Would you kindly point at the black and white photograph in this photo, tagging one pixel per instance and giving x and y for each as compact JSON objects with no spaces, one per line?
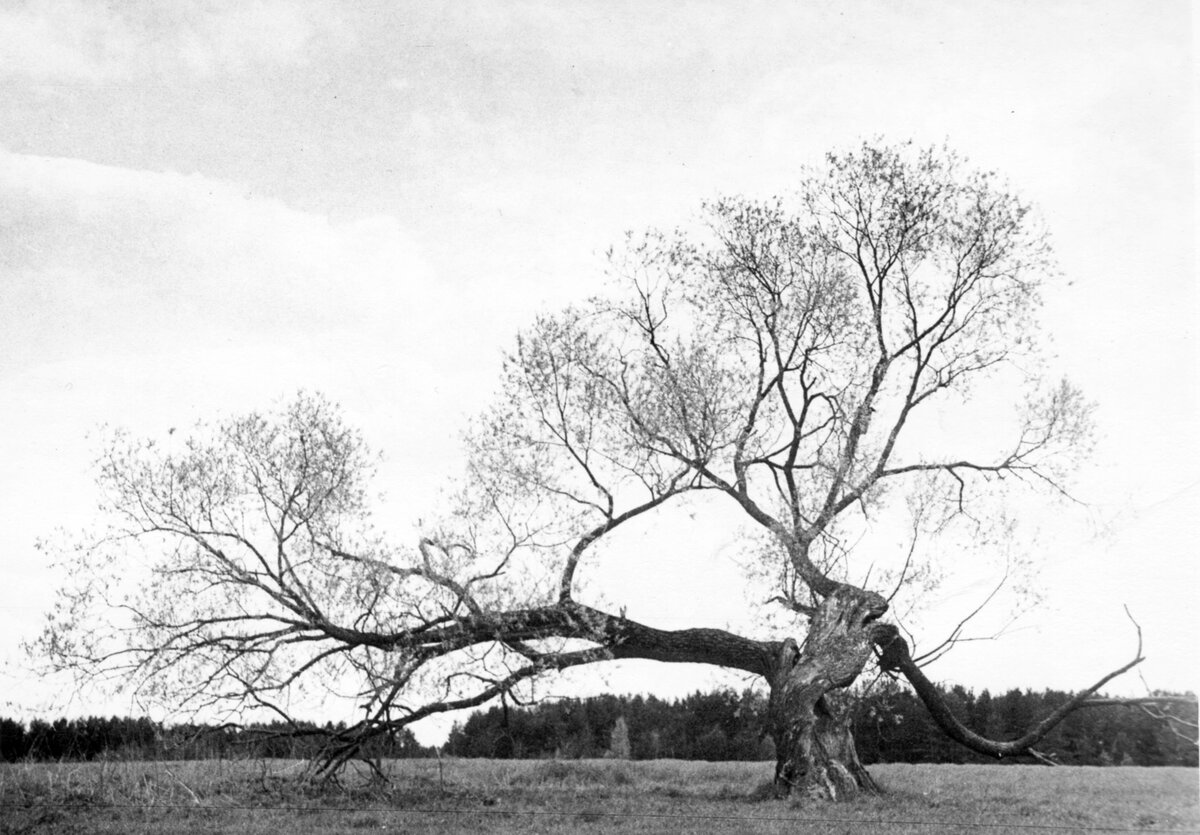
{"x":599,"y":416}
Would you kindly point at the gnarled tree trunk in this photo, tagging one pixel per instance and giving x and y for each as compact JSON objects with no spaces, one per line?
{"x":814,"y":743}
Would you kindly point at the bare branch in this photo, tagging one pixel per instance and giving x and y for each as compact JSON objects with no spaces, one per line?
{"x":894,"y":656}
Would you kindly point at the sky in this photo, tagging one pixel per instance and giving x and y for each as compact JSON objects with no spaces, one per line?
{"x":205,"y":207}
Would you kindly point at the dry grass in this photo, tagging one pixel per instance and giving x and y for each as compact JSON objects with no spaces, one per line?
{"x":588,"y":796}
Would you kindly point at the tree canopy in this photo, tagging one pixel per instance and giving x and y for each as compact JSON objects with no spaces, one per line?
{"x":778,"y":356}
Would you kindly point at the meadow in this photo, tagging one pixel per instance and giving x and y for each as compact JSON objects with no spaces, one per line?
{"x":509,"y":796}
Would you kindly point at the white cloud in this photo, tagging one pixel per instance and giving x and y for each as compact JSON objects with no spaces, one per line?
{"x":139,"y":297}
{"x":106,"y":259}
{"x":80,"y":41}
{"x":135,"y":296}
{"x":152,"y":300}
{"x":65,"y":41}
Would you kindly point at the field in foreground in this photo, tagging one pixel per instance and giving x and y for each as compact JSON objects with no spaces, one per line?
{"x":588,"y":796}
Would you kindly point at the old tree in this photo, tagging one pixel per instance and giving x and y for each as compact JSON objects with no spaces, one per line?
{"x":777,"y":359}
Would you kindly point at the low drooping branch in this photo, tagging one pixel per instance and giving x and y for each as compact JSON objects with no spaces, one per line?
{"x":894,"y":656}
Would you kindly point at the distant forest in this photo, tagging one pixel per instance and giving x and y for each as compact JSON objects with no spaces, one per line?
{"x":97,"y":737}
{"x":890,"y":724}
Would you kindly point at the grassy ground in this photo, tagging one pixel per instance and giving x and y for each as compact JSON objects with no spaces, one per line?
{"x":583,"y":796}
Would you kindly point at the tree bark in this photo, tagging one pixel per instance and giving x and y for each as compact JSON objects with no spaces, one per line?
{"x":816,"y":755}
{"x":814,"y":743}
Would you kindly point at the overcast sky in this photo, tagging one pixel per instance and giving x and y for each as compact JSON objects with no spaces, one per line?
{"x":206,"y":206}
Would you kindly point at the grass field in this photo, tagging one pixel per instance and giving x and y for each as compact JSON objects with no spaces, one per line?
{"x":583,"y":796}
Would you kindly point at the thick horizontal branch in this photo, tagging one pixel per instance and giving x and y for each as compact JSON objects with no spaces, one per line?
{"x":619,"y":637}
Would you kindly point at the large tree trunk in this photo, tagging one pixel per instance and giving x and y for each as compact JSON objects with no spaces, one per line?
{"x":816,"y":755}
{"x":813,"y":740}
{"x":814,"y":743}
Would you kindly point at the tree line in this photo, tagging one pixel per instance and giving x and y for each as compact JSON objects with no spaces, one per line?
{"x":126,"y":738}
{"x":890,"y":725}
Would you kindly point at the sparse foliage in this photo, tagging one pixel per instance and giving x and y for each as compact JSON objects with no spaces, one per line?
{"x":781,"y":357}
